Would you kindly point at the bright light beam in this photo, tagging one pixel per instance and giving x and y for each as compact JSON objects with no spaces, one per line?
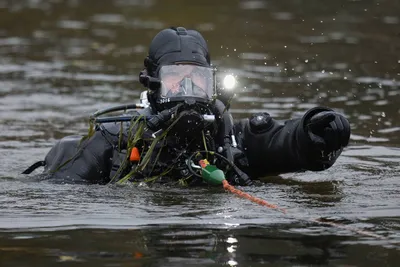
{"x":229,"y":82}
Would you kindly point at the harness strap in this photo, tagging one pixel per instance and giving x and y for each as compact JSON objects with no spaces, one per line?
{"x":34,"y":167}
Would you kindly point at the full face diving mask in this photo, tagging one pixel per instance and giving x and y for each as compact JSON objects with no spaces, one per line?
{"x":192,"y":88}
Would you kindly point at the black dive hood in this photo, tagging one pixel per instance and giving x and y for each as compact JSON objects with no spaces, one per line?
{"x":170,"y":47}
{"x":176,"y":46}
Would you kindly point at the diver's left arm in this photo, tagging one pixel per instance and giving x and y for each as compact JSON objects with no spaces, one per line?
{"x":313,"y":142}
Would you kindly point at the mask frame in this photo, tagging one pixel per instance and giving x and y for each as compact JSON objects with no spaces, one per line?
{"x":176,"y":78}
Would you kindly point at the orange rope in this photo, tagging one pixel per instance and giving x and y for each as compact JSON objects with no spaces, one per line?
{"x":262,"y":202}
{"x":257,"y":200}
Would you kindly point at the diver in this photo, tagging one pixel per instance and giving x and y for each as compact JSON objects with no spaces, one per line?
{"x":184,"y":117}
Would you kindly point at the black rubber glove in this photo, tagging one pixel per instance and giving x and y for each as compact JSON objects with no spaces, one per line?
{"x":328,"y":130}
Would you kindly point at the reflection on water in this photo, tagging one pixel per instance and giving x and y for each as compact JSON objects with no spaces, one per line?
{"x":190,"y":246}
{"x":61,"y":60}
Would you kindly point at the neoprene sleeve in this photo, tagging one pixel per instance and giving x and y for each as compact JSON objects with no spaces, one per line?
{"x":279,"y":148}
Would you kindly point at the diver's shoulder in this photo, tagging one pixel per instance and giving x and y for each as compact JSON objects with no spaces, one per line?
{"x":70,"y":139}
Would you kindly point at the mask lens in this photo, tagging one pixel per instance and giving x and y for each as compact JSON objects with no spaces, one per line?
{"x":187,"y":80}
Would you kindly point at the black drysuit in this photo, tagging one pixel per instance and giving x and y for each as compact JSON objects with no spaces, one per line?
{"x":268,"y":147}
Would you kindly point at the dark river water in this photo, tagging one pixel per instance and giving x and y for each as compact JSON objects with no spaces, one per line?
{"x":61,"y":60}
